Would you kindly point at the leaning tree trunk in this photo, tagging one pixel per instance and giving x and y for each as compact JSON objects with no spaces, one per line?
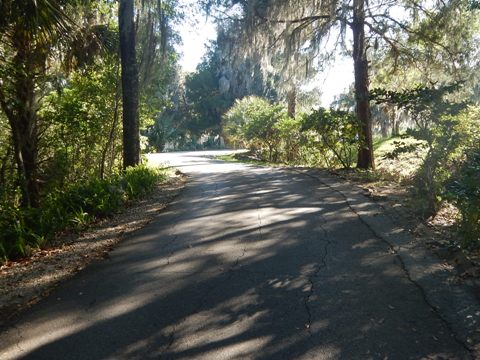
{"x":131,"y":134}
{"x":365,"y":152}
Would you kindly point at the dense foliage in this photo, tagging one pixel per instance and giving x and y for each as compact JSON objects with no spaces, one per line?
{"x":71,"y":207}
{"x":464,"y":190}
{"x":193,"y":119}
{"x":324,"y":137}
{"x":338,"y":132}
{"x":61,"y":143}
{"x":448,"y":131}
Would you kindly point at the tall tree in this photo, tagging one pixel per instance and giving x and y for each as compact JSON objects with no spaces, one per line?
{"x":294,"y":29}
{"x":360,"y":61}
{"x":28,"y":31}
{"x":131,"y":132}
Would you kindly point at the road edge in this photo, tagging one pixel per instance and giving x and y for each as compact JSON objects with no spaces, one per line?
{"x":452,"y":301}
{"x":90,"y":245}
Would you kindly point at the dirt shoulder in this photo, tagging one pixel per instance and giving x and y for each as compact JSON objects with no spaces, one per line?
{"x":25,"y":282}
{"x":438,"y":234}
{"x":454,"y":291}
{"x":451,"y":292}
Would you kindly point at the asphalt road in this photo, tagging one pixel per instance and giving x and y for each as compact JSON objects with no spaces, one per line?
{"x":248,"y":263}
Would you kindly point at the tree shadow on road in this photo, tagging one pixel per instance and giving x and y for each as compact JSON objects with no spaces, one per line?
{"x":247,"y":265}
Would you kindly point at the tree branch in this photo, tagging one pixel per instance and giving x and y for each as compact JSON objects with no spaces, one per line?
{"x":411,"y":31}
{"x":312,"y":18}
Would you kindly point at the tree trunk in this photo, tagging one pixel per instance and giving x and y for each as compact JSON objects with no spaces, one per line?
{"x":396,"y":122}
{"x":111,"y":135}
{"x":21,"y":111}
{"x":292,"y":102}
{"x":131,"y":133}
{"x":365,"y":152}
{"x":384,"y":127}
{"x":24,"y":131}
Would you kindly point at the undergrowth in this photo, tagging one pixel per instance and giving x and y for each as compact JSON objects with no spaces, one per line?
{"x":71,"y":208}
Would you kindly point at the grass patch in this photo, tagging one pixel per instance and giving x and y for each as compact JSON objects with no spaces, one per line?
{"x":228,"y":157}
{"x":399,"y":167}
{"x":380,"y":141}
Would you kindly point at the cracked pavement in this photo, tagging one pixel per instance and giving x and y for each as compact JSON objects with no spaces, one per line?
{"x":247,"y":263}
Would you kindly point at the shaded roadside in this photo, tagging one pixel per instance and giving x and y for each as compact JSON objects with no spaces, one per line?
{"x":249,"y":263}
{"x":453,"y":297}
{"x":26,"y":281}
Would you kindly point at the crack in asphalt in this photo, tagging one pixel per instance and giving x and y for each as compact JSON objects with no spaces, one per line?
{"x":201,"y":304}
{"x":237,"y":260}
{"x":435,"y":309}
{"x":244,"y":249}
{"x":259,"y":221}
{"x":395,"y":252}
{"x":173,"y":227}
{"x":230,"y":273}
{"x":322,"y":264}
{"x":19,"y":339}
{"x":170,"y":254}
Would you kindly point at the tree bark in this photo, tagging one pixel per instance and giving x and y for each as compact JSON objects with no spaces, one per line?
{"x":292,"y":102}
{"x":365,"y":152}
{"x":111,"y":134}
{"x":131,"y":133}
{"x":396,"y":122}
{"x":21,"y":112}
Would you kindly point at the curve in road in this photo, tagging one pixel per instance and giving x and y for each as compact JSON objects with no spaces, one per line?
{"x":248,"y":263}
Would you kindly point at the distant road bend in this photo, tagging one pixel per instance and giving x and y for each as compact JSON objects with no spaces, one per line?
{"x":247,"y":263}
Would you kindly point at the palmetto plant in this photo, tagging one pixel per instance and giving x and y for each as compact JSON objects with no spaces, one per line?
{"x":36,"y":36}
{"x":29,"y":29}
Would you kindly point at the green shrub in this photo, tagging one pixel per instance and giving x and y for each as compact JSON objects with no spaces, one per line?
{"x":252,"y":120}
{"x":289,"y":132}
{"x":83,"y":136}
{"x":141,"y":180}
{"x":464,"y":191}
{"x":337,"y":135}
{"x":327,"y":138}
{"x":435,"y":170}
{"x":72,"y":207}
{"x":12,"y":226}
{"x":441,"y":126}
{"x":234,"y":120}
